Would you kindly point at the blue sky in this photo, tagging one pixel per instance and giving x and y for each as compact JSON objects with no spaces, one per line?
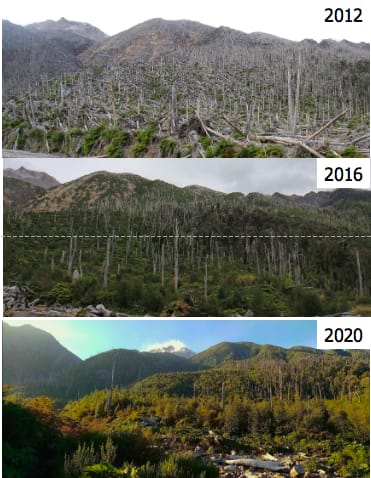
{"x":89,"y":337}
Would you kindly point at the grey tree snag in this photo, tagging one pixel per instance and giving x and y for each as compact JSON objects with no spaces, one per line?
{"x":176,"y":257}
{"x":293,"y":107}
{"x":106,"y":264}
{"x":71,"y":253}
{"x":205,"y":279}
{"x":173,"y":111}
{"x":80,"y":263}
{"x":163,"y":264}
{"x":223,"y":395}
{"x":297,"y":96}
{"x":360,"y":280}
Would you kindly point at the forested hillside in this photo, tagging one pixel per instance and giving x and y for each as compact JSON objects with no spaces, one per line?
{"x":183,"y":89}
{"x":148,"y":247}
{"x":306,"y":409}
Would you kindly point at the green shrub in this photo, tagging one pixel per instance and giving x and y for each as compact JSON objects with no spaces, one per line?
{"x":351,"y":152}
{"x":268,"y":151}
{"x":167,"y":147}
{"x":222,"y":149}
{"x":118,"y":140}
{"x":91,"y":138}
{"x":143,"y":139}
{"x":55,"y":139}
{"x":61,"y":292}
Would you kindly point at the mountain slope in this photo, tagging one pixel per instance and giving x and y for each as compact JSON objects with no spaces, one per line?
{"x":114,"y":190}
{"x":130,"y":366}
{"x":37,"y":178}
{"x":225,"y":351}
{"x":84,"y":30}
{"x":34,"y":359}
{"x":29,"y":55}
{"x":147,"y":41}
{"x":18,"y":192}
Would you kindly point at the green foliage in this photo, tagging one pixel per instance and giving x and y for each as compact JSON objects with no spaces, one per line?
{"x":38,"y":135}
{"x":85,"y":455}
{"x":354,"y":460}
{"x":185,"y":466}
{"x":91,"y":138}
{"x":108,"y":471}
{"x":267,"y":151}
{"x":55,"y":139}
{"x":222,"y":149}
{"x":118,"y":139}
{"x":86,"y":290}
{"x":143,"y":139}
{"x":167,"y":147}
{"x":31,"y":447}
{"x":351,"y":152}
{"x":62,"y":292}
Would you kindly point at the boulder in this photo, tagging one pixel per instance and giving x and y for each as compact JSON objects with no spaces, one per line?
{"x":297,"y":471}
{"x":102,"y":311}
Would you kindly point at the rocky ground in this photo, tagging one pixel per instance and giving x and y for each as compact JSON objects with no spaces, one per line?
{"x":17,"y":304}
{"x":266,"y":466}
{"x":16,"y":153}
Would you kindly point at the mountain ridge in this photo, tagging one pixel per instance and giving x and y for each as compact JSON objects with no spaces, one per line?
{"x":126,"y":185}
{"x":37,"y":178}
{"x":22,"y":365}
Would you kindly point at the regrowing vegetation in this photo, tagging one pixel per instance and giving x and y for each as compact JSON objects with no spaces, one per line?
{"x":148,"y":247}
{"x":182,"y":89}
{"x":300,"y":405}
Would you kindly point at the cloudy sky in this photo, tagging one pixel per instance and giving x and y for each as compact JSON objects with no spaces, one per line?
{"x":89,"y":337}
{"x":285,"y":18}
{"x":287,"y":176}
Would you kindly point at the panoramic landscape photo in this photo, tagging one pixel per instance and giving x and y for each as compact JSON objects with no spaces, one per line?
{"x":188,"y":81}
{"x":182,"y":237}
{"x":192,"y":399}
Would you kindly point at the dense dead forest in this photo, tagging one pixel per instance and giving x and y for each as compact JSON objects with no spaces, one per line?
{"x":228,"y":94}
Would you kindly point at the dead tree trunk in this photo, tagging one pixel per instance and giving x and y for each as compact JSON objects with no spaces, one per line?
{"x":176,"y":257}
{"x":205,"y":279}
{"x":71,"y":254}
{"x":106,"y":264}
{"x":360,"y":280}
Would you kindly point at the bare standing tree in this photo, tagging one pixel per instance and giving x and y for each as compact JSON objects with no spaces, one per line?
{"x":176,"y":257}
{"x":106,"y":264}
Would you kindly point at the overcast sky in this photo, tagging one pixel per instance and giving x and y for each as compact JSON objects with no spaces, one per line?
{"x":287,"y":176}
{"x":285,"y":18}
{"x":89,"y":337}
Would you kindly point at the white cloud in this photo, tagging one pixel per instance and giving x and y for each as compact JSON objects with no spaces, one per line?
{"x":175,"y":343}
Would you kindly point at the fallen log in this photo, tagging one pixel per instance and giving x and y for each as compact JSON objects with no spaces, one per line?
{"x":250,"y":462}
{"x":273,"y":139}
{"x":329,"y":123}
